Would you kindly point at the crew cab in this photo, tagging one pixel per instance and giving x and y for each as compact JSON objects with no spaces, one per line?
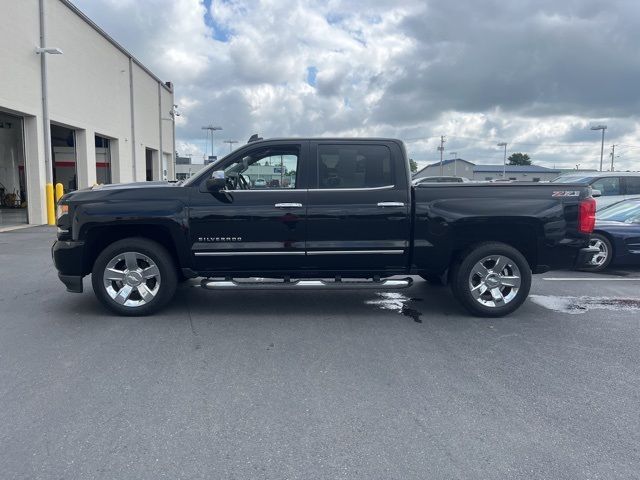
{"x":334,"y":209}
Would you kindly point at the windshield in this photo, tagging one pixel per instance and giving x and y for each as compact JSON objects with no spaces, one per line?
{"x":627,"y":212}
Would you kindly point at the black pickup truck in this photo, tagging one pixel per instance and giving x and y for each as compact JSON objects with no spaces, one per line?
{"x":341,"y":211}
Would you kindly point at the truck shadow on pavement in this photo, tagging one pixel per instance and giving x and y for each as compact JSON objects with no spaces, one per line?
{"x":419,"y":303}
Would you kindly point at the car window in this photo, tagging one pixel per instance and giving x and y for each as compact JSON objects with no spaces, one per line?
{"x":628,"y":211}
{"x":267,"y":168}
{"x":633,"y":185}
{"x":608,"y":186}
{"x":354,"y":166}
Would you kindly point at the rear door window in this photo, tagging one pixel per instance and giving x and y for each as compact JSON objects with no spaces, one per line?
{"x":354,"y":166}
{"x":608,"y":186}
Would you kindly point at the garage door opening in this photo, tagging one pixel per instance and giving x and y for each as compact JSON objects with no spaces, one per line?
{"x":13,"y":188}
{"x":63,"y":146}
{"x":103,"y":160}
{"x":151,"y":164}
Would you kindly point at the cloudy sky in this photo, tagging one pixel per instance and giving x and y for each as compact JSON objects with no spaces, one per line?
{"x":534,"y":73}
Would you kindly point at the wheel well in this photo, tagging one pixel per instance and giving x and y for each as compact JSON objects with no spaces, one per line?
{"x":521,"y":237}
{"x":98,"y":238}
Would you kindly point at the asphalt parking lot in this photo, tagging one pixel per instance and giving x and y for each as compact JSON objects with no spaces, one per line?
{"x":316,"y":384}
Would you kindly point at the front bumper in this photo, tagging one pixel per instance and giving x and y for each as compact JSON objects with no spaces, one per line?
{"x":68,"y":260}
{"x":72,"y":282}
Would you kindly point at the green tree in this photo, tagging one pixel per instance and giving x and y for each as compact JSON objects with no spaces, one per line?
{"x":519,"y":159}
{"x":413,"y":165}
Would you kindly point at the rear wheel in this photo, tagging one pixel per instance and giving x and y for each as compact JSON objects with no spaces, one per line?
{"x":491,"y":280}
{"x":602,"y":259}
{"x":134,"y":276}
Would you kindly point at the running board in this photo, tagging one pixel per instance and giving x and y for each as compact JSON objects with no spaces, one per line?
{"x":266,"y":284}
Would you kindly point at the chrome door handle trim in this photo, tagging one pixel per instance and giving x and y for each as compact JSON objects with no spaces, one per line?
{"x":390,"y":204}
{"x":288,"y":205}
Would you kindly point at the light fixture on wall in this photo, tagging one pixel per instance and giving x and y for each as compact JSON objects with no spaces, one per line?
{"x":52,"y":51}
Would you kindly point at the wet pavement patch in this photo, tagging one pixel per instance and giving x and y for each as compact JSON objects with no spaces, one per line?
{"x":397,"y":302}
{"x":577,"y":305}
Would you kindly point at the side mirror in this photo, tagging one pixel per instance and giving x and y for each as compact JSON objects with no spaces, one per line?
{"x":217,"y":182}
{"x":596,"y":193}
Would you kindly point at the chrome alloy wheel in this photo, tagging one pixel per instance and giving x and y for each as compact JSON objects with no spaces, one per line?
{"x":131,"y":279}
{"x":603,"y":252}
{"x":494,"y":281}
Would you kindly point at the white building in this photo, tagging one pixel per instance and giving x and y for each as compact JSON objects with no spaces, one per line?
{"x":109,"y":118}
{"x":185,"y":168}
{"x":463,"y":168}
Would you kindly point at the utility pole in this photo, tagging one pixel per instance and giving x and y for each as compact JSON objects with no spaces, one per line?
{"x":441,"y":149}
{"x":210,"y":129}
{"x":281,"y":171}
{"x":230,"y":142}
{"x":454,"y":155}
{"x":603,"y":128}
{"x":613,"y":152}
{"x":504,"y":161}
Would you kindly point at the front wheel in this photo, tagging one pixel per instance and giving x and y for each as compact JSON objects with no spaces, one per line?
{"x":492,"y":280}
{"x":134,"y":276}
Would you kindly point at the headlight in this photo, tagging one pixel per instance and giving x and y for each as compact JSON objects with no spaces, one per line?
{"x":62,"y":209}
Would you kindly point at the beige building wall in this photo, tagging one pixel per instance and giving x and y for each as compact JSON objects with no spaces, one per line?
{"x":90,"y":89}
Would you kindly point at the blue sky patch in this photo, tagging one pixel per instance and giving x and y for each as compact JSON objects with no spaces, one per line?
{"x":218,"y":31}
{"x":312,"y":73}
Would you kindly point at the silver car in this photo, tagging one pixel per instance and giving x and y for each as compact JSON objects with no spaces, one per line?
{"x":608,"y":187}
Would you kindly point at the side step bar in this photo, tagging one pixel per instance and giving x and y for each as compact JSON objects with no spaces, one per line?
{"x":266,"y":284}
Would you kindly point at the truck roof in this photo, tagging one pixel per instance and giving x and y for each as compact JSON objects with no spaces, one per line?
{"x":335,"y":139}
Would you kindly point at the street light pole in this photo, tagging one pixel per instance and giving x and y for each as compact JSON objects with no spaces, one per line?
{"x":504,"y":161}
{"x":211,"y":129}
{"x":603,"y":128}
{"x":230,"y":142}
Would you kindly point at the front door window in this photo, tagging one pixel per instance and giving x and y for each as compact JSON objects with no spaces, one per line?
{"x":269,"y":168}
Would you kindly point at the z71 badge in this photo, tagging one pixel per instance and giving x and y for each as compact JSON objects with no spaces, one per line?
{"x":566,"y":193}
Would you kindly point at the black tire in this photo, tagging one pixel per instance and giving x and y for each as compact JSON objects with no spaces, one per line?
{"x":602,"y":260}
{"x":433,"y":279}
{"x":165,"y":280}
{"x":461,"y":280}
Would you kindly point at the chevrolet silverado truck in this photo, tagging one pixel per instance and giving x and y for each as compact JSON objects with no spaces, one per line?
{"x":319,"y":212}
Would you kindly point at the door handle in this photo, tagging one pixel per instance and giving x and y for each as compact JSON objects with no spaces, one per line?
{"x":390,"y":204}
{"x":288,"y":205}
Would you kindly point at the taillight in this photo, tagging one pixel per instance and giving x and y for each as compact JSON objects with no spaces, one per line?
{"x":587,"y":215}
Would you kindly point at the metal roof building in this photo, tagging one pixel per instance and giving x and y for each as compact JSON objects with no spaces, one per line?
{"x":464,"y":168}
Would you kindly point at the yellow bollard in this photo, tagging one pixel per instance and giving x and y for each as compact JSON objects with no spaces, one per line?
{"x":51,"y":204}
{"x":59,"y":191}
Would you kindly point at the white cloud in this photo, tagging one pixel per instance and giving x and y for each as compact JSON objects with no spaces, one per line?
{"x":532,"y":73}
